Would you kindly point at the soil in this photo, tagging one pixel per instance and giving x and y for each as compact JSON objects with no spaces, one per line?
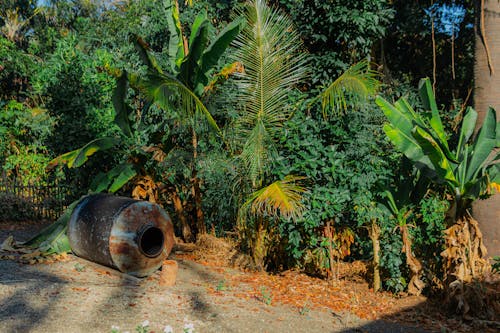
{"x":75,"y":295}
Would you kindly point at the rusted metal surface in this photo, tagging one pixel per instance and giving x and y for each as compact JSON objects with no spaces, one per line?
{"x":132,"y":236}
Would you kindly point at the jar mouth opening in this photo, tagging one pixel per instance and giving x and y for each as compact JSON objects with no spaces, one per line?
{"x":151,"y":241}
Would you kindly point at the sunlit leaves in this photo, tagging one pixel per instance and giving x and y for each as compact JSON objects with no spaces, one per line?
{"x":268,"y":47}
{"x":355,"y":85}
{"x":78,"y":157}
{"x":283,"y":198}
{"x":468,"y":171}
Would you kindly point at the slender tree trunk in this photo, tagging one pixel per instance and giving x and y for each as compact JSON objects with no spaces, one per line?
{"x":187,"y":235}
{"x":374,"y":233}
{"x":486,"y":94}
{"x":260,"y":246}
{"x":434,"y":65}
{"x":329,"y":234}
{"x":196,"y":191}
{"x":416,"y":285}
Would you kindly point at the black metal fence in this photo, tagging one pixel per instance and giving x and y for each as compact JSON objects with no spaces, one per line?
{"x":20,"y":201}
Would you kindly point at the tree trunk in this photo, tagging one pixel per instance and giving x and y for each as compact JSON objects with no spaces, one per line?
{"x":332,"y":274}
{"x":374,"y":233}
{"x":416,"y":285}
{"x":487,"y":93}
{"x":187,"y":235}
{"x":196,"y":191}
{"x":260,"y":246}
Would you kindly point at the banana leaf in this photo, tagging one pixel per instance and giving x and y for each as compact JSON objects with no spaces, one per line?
{"x":113,"y":180}
{"x":53,"y":238}
{"x":190,"y":64}
{"x":407,"y":144}
{"x":467,"y":129}
{"x":399,"y":117}
{"x":427,"y":97}
{"x":405,"y":107}
{"x":433,"y":151}
{"x":122,"y":109}
{"x":200,"y":20}
{"x":483,"y":146}
{"x":125,"y":172}
{"x":78,"y":157}
{"x":175,"y":43}
{"x":147,"y":59}
{"x":399,"y":131}
{"x":498,"y":135}
{"x":494,"y":173}
{"x":213,"y":53}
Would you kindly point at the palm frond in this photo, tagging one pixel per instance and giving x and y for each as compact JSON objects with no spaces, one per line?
{"x":267,"y":48}
{"x":256,"y":152}
{"x":356,"y":84}
{"x":160,"y":87}
{"x":281,"y":198}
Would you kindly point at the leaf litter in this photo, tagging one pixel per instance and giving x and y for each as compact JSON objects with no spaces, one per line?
{"x":349,"y":294}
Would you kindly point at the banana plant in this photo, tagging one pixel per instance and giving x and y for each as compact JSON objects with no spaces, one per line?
{"x":468,"y":170}
{"x":182,"y":87}
{"x":53,"y":239}
{"x":191,"y":71}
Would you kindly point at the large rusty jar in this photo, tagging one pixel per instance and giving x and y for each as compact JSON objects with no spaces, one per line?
{"x":132,"y":236}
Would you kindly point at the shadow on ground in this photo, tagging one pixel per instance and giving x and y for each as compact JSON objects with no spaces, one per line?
{"x":19,"y":285}
{"x":436,"y":315}
{"x":80,"y":296}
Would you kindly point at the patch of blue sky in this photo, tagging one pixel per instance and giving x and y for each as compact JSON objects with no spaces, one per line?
{"x":447,"y":17}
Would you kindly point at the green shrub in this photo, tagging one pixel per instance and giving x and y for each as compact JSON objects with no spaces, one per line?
{"x":345,"y":161}
{"x":428,"y":236}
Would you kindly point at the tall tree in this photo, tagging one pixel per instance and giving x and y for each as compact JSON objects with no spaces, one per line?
{"x":486,"y":94}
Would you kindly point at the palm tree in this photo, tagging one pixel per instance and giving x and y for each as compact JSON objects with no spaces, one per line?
{"x":280,"y":199}
{"x":272,"y":55}
{"x":268,"y":49}
{"x":354,"y":86}
{"x":486,"y":94}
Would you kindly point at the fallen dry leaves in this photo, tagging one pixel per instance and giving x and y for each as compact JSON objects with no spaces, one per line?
{"x":299,"y":290}
{"x":351,"y":294}
{"x":10,"y":250}
{"x":302,"y":291}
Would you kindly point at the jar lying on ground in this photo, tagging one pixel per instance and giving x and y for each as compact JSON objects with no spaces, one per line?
{"x":132,"y":236}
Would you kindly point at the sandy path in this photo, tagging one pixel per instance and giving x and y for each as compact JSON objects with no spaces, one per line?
{"x":78,"y":296}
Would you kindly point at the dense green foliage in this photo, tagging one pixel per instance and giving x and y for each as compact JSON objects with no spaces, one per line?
{"x":181,"y":106}
{"x":338,"y":33}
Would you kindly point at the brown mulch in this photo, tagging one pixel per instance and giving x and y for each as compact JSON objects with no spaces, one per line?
{"x":350,"y":293}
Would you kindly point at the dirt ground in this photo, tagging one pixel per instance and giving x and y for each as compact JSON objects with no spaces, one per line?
{"x":75,"y":295}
